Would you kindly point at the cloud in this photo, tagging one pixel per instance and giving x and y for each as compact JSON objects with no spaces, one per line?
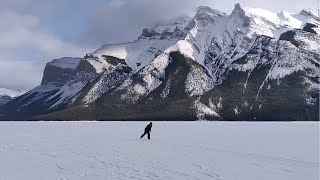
{"x":14,"y":2}
{"x":116,"y":3}
{"x":25,"y":48}
{"x":18,"y":32}
{"x":276,"y":6}
{"x":123,"y":20}
{"x":20,"y":75}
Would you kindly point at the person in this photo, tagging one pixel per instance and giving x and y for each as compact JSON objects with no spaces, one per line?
{"x":147,"y":130}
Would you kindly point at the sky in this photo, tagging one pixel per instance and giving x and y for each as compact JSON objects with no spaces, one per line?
{"x":34,"y":32}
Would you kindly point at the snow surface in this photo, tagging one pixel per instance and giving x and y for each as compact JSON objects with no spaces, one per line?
{"x":177,"y":150}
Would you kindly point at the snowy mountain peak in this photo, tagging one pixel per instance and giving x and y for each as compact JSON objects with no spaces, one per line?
{"x":205,"y":10}
{"x":237,"y":7}
{"x":258,"y":21}
{"x":238,"y":14}
{"x":311,"y":12}
{"x":166,"y":27}
{"x":66,"y":62}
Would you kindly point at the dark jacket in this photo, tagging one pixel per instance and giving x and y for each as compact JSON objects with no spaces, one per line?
{"x":148,"y":128}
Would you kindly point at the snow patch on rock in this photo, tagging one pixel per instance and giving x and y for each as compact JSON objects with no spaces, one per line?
{"x":203,"y":110}
{"x":198,"y":82}
{"x":66,"y":92}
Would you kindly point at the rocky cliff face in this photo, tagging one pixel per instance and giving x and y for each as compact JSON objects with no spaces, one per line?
{"x":250,"y":65}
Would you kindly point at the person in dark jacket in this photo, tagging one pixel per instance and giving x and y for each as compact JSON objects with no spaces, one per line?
{"x":147,"y":130}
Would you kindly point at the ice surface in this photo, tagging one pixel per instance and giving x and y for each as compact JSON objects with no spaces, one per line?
{"x":177,"y":150}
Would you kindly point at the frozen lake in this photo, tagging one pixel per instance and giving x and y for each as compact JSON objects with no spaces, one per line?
{"x":177,"y":150}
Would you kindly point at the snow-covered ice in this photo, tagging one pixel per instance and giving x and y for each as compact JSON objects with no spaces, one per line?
{"x":177,"y":150}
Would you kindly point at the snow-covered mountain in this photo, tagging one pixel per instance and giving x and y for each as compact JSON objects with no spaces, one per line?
{"x":249,"y":65}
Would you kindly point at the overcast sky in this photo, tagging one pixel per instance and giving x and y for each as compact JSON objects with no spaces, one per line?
{"x":33,"y":32}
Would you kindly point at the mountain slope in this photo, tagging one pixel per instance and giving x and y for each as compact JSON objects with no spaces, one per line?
{"x":250,"y":65}
{"x":4,"y":99}
{"x":7,"y":95}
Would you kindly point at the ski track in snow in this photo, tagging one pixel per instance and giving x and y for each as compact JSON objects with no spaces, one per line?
{"x":177,"y":150}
